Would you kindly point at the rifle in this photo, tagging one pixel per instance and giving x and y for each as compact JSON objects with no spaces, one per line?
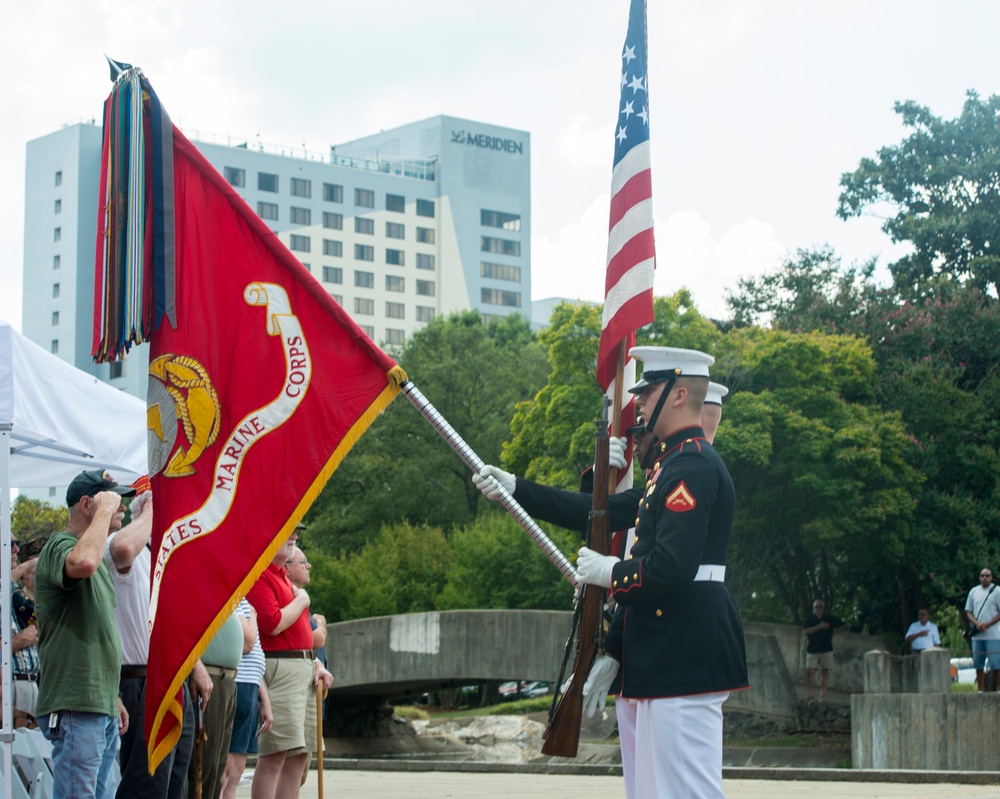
{"x":562,"y":734}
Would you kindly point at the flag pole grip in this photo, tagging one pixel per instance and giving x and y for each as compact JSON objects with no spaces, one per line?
{"x":475,"y":463}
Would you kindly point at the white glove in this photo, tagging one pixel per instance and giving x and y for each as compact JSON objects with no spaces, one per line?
{"x":594,"y":568}
{"x":616,"y":452}
{"x":595,"y":690}
{"x":489,"y":480}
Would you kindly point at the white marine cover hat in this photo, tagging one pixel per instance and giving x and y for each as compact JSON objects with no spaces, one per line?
{"x":662,"y":363}
{"x":716,"y":391}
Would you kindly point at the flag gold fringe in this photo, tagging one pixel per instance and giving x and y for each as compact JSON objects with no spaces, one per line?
{"x":395,"y":377}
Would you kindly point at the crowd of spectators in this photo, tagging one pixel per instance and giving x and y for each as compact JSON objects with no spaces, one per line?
{"x":80,"y":643}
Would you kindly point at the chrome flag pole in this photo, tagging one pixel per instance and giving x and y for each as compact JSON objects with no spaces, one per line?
{"x":474,"y":462}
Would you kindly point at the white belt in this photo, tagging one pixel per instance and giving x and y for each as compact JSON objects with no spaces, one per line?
{"x":710,"y":573}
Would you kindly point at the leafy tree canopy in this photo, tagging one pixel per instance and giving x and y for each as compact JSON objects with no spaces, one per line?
{"x":943,"y":183}
{"x":401,"y":469}
{"x":32,"y":518}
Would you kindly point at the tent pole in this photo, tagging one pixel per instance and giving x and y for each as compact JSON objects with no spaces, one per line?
{"x":7,"y":734}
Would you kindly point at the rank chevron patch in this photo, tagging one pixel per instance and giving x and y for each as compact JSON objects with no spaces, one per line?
{"x":680,"y":499}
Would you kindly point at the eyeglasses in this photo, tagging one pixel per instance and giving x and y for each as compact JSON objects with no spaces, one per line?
{"x":985,"y":574}
{"x":301,"y":562}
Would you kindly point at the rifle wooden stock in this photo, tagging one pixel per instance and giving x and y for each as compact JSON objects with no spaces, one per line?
{"x":562,"y":735}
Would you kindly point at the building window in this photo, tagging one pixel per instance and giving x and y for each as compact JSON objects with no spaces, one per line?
{"x":333,"y":221}
{"x":57,"y":234}
{"x":333,"y":274}
{"x":501,"y":246}
{"x":395,"y":337}
{"x":267,"y":182}
{"x":366,"y":226}
{"x":424,"y":314}
{"x":364,"y":252}
{"x":364,"y":280}
{"x":425,"y":235}
{"x":268,"y":211}
{"x":333,"y":248}
{"x":56,"y":261}
{"x":236,"y":177}
{"x":338,"y":298}
{"x":368,"y":330}
{"x":395,"y":283}
{"x":364,"y":306}
{"x":425,"y":288}
{"x":307,"y":266}
{"x":301,"y":216}
{"x":59,"y":178}
{"x":395,"y":310}
{"x":57,"y":209}
{"x":299,"y":243}
{"x":511,"y":299}
{"x":425,"y":208}
{"x":425,"y":261}
{"x":500,"y":219}
{"x":500,"y":271}
{"x":55,"y":318}
{"x":395,"y":257}
{"x":55,"y":290}
{"x":395,"y":202}
{"x":115,"y":369}
{"x":54,"y":346}
{"x":364,"y":198}
{"x":332,"y":193}
{"x":302,"y":188}
{"x":394,"y":230}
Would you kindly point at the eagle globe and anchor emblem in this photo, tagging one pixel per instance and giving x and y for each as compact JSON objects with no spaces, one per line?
{"x":180,"y":390}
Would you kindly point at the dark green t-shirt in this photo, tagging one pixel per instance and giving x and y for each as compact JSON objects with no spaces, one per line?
{"x":78,"y":646}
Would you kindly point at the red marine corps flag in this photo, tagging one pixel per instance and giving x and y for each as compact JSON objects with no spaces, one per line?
{"x":259,"y":383}
{"x":628,"y":285}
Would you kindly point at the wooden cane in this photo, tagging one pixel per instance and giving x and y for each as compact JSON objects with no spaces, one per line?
{"x":320,"y":693}
{"x":198,"y":733}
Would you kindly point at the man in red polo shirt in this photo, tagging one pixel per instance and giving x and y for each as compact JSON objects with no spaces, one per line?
{"x":290,"y":673}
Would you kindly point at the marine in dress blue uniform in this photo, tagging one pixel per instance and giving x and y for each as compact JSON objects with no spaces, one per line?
{"x":676,"y":641}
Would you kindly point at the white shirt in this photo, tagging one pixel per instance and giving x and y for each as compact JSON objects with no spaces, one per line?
{"x":132,"y":605}
{"x":991,"y":608}
{"x":924,"y":641}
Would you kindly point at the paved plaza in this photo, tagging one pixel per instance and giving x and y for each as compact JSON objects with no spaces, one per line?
{"x":459,"y":785}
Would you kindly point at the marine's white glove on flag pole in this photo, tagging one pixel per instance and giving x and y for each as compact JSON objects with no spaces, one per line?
{"x":489,"y":480}
{"x":616,"y":452}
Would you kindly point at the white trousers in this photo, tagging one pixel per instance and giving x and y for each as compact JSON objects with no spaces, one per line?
{"x":672,"y":748}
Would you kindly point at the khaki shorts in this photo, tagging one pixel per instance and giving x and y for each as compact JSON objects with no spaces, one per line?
{"x":823,"y":660}
{"x":288,"y":682}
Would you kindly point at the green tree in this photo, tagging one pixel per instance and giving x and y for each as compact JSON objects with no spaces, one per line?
{"x":552,"y":436}
{"x":943,"y":183}
{"x":824,"y":487}
{"x":402,"y":570}
{"x":32,"y":518}
{"x":494,"y":563}
{"x":401,"y":469}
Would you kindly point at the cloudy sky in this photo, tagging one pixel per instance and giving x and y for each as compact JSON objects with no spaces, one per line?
{"x":757,"y":106}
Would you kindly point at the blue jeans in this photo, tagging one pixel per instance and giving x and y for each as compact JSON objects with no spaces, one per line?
{"x":84,"y":746}
{"x":983,"y":649}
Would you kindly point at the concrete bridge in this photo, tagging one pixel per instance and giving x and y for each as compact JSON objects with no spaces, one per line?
{"x":393,"y":656}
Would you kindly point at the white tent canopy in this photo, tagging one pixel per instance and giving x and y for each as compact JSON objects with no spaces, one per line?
{"x":55,"y":422}
{"x":63,"y":420}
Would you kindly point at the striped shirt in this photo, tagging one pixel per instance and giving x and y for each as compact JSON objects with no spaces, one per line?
{"x":251,"y":668}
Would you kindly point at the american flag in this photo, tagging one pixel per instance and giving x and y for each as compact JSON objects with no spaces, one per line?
{"x":628,"y":287}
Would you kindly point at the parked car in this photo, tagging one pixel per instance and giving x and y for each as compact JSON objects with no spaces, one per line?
{"x":533,"y":689}
{"x":962,"y":670}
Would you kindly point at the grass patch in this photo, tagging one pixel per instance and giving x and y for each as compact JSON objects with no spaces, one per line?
{"x":964,"y":688}
{"x":817,"y":741}
{"x":411,"y":713}
{"x":519,"y":707}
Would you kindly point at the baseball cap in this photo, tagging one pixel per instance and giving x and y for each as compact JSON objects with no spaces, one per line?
{"x":87,"y":484}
